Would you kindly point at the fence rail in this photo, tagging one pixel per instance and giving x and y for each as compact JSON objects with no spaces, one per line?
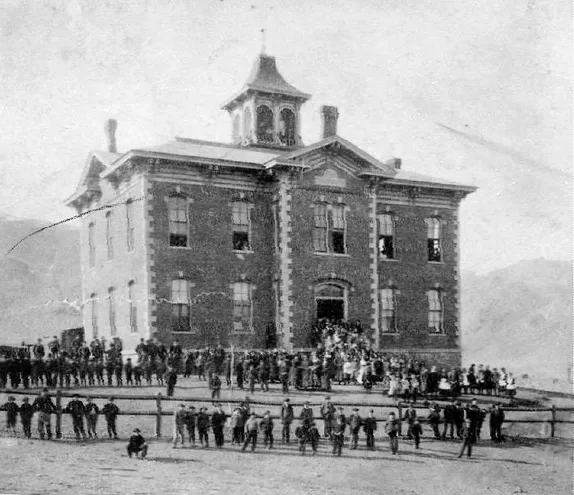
{"x":159,"y":412}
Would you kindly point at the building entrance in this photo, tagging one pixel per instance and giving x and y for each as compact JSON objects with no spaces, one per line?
{"x":331,"y":309}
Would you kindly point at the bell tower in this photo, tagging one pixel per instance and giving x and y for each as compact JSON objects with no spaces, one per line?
{"x":266,"y":112}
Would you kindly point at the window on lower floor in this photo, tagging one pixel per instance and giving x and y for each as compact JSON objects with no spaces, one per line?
{"x":436,"y":311}
{"x":180,"y":306}
{"x":112,"y":311}
{"x":242,"y":307}
{"x":94,"y":314}
{"x":133,"y":310}
{"x":388,"y":314}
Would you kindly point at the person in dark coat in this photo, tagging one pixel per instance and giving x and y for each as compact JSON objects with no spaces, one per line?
{"x":338,"y":436}
{"x":306,"y":415}
{"x":92,"y":411}
{"x":26,"y":413}
{"x":266,"y":426}
{"x":468,"y":438}
{"x":11,"y":409}
{"x":417,"y":431}
{"x":369,"y":427}
{"x":203,"y":427}
{"x":137,"y":444}
{"x":218,"y":419}
{"x":392,"y":428}
{"x":449,"y":419}
{"x":251,"y":428}
{"x":410,"y":416}
{"x":355,"y":423}
{"x":496,"y":420}
{"x":327,"y":413}
{"x":110,"y":412}
{"x":434,"y":421}
{"x":45,"y":408}
{"x":171,"y":380}
{"x":286,"y":420}
{"x":190,"y":420}
{"x":215,"y":386}
{"x":77,"y":410}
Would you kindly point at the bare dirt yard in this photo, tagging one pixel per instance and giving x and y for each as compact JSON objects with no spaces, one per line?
{"x":523,"y":464}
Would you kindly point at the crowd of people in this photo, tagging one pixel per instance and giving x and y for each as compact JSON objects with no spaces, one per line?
{"x":244,"y":426}
{"x":343,"y":356}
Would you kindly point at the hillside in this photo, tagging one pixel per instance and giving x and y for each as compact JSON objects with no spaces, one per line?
{"x":521,"y":317}
{"x":41,"y":280}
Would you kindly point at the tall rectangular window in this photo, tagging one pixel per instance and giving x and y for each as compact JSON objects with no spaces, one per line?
{"x":241,"y":226}
{"x":387,"y":236}
{"x":181,"y":305}
{"x":109,"y":235}
{"x":94,"y":315}
{"x":92,"y":244}
{"x":338,"y":229}
{"x":321,"y":228}
{"x":435,"y":311}
{"x":434,"y":238}
{"x":112,"y":311}
{"x":130,"y":225}
{"x":133,"y":310}
{"x":388,"y":311}
{"x":242,"y":307}
{"x":178,"y":221}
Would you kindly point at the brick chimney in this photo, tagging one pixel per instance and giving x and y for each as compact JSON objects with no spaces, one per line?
{"x":330,"y":117}
{"x":110,"y":130}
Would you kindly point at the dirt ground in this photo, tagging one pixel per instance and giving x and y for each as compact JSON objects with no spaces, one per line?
{"x":520,"y":465}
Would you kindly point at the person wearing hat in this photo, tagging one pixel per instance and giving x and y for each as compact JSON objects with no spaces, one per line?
{"x":190,"y":419}
{"x":266,"y":425}
{"x":77,"y":410}
{"x":496,"y":420}
{"x":45,"y":407}
{"x":26,"y":413}
{"x":110,"y":412}
{"x":458,"y":418}
{"x":434,"y":420}
{"x":137,"y":444}
{"x":218,"y":419}
{"x":369,"y":427}
{"x":179,"y":417}
{"x":355,"y":422}
{"x":410,"y":416}
{"x":92,"y":411}
{"x":392,"y":427}
{"x":338,"y":435}
{"x":251,"y":428}
{"x":203,"y":427}
{"x":468,"y":438}
{"x":306,"y":415}
{"x":286,"y":420}
{"x":328,"y":414}
{"x":11,"y":409}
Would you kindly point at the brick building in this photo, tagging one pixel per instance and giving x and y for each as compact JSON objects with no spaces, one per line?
{"x":249,"y":243}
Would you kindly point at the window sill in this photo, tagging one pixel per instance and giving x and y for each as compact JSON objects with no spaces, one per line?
{"x":339,"y":255}
{"x":390,"y":333}
{"x":180,"y":247}
{"x":437,"y":334}
{"x":241,"y":251}
{"x":435,"y":262}
{"x":184,"y":332}
{"x":390,"y":260}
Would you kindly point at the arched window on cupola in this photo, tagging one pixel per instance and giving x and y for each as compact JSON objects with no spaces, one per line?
{"x":287,"y":127}
{"x":247,"y":123}
{"x":236,"y":129}
{"x":265,"y":127}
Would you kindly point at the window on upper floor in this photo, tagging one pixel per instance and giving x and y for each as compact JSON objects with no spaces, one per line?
{"x":287,"y":127}
{"x":92,"y":244}
{"x":130,"y":225}
{"x":242,"y":307}
{"x":133,"y":309}
{"x":94,"y":314}
{"x":180,"y":306}
{"x":434,"y":238}
{"x":178,"y":221}
{"x":388,"y":313}
{"x":265,"y":124}
{"x":321,"y":228}
{"x":436,"y":310}
{"x":112,"y":311}
{"x":387,"y":236}
{"x":338,"y":229}
{"x":241,"y":219}
{"x":109,"y":235}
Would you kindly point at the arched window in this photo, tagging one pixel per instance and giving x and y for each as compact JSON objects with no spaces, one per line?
{"x":236,"y":129}
{"x":387,"y":236}
{"x":92,"y":244}
{"x":181,"y":305}
{"x":112,"y":311}
{"x":242,"y":307}
{"x":94,"y":314}
{"x":331,"y":301}
{"x":130,"y":224}
{"x":247,"y":123}
{"x":241,"y":219}
{"x":178,"y":221}
{"x":434,"y":238}
{"x":133,"y":307}
{"x":436,"y":310}
{"x":265,"y":125}
{"x":388,"y":310}
{"x":287,"y":127}
{"x":109,"y":235}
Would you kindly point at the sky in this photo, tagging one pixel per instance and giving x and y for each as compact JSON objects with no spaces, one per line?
{"x":478,"y":92}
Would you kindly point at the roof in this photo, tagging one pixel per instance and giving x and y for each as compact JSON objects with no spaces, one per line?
{"x":405,"y":177}
{"x":266,"y":78}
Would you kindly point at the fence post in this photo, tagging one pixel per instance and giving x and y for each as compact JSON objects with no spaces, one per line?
{"x":58,"y":413}
{"x":553,"y":421}
{"x":400,"y":418}
{"x":158,"y":415}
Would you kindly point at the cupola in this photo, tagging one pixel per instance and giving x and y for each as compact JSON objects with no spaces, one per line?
{"x":266,"y":111}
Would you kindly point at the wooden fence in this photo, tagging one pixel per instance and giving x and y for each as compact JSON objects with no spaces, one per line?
{"x":159,"y":400}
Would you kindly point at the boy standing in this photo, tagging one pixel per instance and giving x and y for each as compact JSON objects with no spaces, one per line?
{"x":178,"y":425}
{"x":203,"y":427}
{"x":267,"y":429}
{"x":338,"y":435}
{"x":369,"y":427}
{"x":26,"y":413}
{"x":129,"y":370}
{"x":251,"y":428}
{"x":190,"y":419}
{"x":392,"y":430}
{"x":215,"y":386}
{"x":417,"y":431}
{"x":355,"y":422}
{"x":45,"y":407}
{"x":468,"y":438}
{"x":286,"y":420}
{"x":92,"y":411}
{"x":77,"y":410}
{"x":111,"y":411}
{"x":218,"y":419}
{"x":11,"y":409}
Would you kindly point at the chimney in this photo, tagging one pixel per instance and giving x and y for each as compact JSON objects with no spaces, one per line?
{"x":110,"y":130}
{"x":395,"y":163}
{"x":330,"y":116}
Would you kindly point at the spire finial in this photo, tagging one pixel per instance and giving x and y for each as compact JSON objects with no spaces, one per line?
{"x":263,"y":33}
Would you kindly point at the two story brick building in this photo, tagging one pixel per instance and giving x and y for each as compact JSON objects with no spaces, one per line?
{"x":249,"y":243}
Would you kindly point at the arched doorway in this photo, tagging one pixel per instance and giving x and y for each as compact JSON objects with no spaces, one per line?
{"x":331,"y":302}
